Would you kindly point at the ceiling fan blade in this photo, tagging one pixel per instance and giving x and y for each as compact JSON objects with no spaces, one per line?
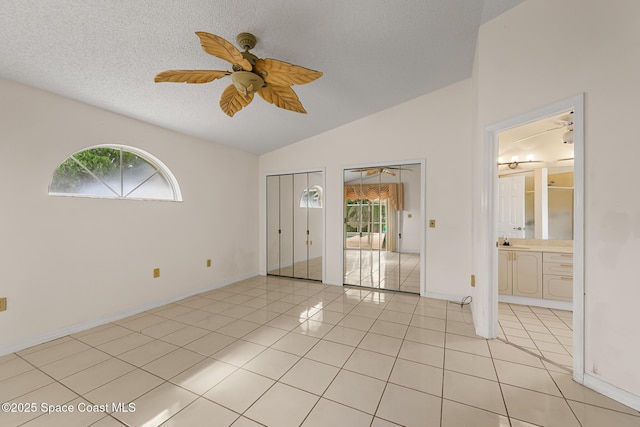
{"x":233,"y":101}
{"x":387,"y":171}
{"x":282,"y":97}
{"x":190,"y":76}
{"x":280,"y":73}
{"x":217,"y":46}
{"x":372,"y":172}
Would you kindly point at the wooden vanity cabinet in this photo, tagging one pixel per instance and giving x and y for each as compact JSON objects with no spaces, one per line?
{"x":520,"y":273}
{"x":547,"y":275}
{"x":557,"y":282}
{"x":527,"y":274}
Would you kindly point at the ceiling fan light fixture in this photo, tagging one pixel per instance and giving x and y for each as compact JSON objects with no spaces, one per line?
{"x":270,"y":78}
{"x":246,"y":82}
{"x":567,"y":137}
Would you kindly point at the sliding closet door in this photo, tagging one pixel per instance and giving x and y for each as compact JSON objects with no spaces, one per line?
{"x":315,"y":204}
{"x":410,"y":229}
{"x":294,"y":225}
{"x":273,"y":225}
{"x":373,"y":239}
{"x":300,"y":227}
{"x":286,"y":225}
{"x":377,"y":251}
{"x":352,"y":227}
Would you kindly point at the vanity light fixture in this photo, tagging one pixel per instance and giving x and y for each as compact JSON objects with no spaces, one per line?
{"x":514,"y":161}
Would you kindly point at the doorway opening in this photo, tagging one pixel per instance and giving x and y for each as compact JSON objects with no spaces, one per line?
{"x":383,"y":227}
{"x":534,"y":218}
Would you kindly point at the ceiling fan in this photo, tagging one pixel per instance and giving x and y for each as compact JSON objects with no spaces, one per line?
{"x":270,"y":78}
{"x":379,"y":170}
{"x":564,"y":121}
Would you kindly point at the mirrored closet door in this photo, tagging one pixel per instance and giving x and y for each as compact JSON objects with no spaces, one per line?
{"x":294,"y":225}
{"x":382,"y":227}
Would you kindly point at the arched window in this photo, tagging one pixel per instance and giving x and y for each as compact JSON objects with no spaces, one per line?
{"x":311,"y":197}
{"x":115,"y":172}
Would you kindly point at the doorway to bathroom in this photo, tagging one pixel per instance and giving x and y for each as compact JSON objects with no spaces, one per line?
{"x":535,"y":218}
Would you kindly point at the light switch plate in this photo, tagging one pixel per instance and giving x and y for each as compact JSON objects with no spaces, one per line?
{"x":3,"y":304}
{"x":432,"y":223}
{"x":156,"y":273}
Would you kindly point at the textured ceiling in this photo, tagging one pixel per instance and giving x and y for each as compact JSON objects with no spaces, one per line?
{"x":374,"y":54}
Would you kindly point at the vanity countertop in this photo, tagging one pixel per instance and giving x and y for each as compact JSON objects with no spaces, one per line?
{"x":537,"y":248}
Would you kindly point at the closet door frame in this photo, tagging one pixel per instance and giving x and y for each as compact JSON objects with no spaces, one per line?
{"x":296,"y":200}
{"x":423,"y":217}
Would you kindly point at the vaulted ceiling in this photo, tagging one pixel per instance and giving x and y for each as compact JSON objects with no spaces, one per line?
{"x":374,"y":54}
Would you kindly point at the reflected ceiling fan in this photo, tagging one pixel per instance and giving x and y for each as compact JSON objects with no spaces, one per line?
{"x":379,"y":170}
{"x":270,"y":78}
{"x":564,"y":121}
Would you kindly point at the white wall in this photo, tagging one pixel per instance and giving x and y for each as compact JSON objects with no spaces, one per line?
{"x":67,"y":261}
{"x":543,"y":51}
{"x":435,"y":127}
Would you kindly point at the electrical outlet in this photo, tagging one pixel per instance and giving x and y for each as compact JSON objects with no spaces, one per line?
{"x":473,"y":280}
{"x":3,"y":303}
{"x":432,"y":223}
{"x":208,"y":263}
{"x":156,"y":273}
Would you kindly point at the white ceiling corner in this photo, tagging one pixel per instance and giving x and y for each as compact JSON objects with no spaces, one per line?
{"x":374,"y":54}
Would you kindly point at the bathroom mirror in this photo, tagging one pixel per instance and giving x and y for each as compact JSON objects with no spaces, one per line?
{"x":535,"y":185}
{"x":554,"y":220}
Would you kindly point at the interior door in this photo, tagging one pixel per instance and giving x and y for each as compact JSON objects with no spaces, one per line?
{"x":382,"y":230}
{"x":300,"y":226}
{"x":286,"y":225}
{"x":295,"y":225}
{"x":315,"y":223}
{"x":273,"y":224}
{"x":511,"y":207}
{"x":370,"y":245}
{"x":352,"y":227}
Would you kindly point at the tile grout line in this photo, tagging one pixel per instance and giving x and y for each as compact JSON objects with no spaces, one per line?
{"x":504,"y":400}
{"x":291,"y":296}
{"x":543,"y":358}
{"x":56,"y":381}
{"x":551,"y":333}
{"x":393,"y":366}
{"x":444,"y":361}
{"x":524,"y":328}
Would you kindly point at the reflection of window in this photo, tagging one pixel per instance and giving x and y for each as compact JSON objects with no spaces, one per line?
{"x":311,"y":197}
{"x":367,"y":216}
{"x":115,"y":172}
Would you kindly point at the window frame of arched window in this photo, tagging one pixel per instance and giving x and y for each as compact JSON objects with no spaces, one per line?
{"x":160,"y":169}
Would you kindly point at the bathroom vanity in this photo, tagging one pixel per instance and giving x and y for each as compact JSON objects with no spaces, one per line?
{"x":536,"y":271}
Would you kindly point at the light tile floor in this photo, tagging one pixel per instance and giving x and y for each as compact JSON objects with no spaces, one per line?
{"x":279,"y":352}
{"x":307,"y":269}
{"x":542,"y":331}
{"x":382,"y":270}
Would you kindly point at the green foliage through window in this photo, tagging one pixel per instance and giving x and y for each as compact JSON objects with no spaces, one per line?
{"x":114,"y":172}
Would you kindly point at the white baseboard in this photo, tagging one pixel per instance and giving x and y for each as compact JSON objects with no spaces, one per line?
{"x":435,"y":295}
{"x":59,"y":333}
{"x":332,"y":283}
{"x":613,"y":392}
{"x":536,"y":302}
